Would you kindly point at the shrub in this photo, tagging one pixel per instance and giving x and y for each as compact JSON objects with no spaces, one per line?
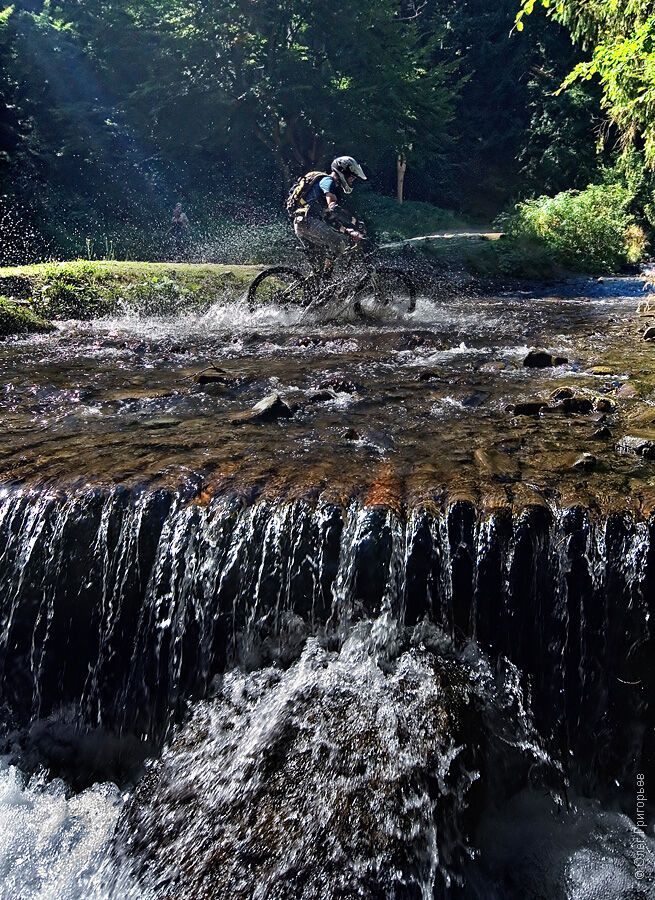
{"x":591,"y":230}
{"x":394,"y":221}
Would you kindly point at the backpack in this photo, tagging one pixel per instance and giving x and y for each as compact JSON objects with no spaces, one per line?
{"x":296,"y":199}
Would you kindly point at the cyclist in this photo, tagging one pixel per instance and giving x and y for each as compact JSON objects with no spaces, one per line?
{"x":318,"y":219}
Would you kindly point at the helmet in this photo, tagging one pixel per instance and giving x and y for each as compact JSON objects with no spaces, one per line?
{"x":343,"y":166}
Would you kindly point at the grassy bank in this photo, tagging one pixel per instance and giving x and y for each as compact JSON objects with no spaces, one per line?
{"x":16,"y":318}
{"x":83,"y":289}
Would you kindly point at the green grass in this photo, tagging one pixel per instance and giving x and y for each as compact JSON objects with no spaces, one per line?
{"x":18,"y":319}
{"x":88,"y":289}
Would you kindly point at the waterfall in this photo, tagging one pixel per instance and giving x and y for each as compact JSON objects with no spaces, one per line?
{"x":121,"y":607}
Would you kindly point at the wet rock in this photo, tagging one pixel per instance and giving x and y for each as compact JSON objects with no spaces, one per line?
{"x":649,"y":334}
{"x":246,"y":339}
{"x":637,"y":445}
{"x":563,"y":393}
{"x":429,"y":375}
{"x":602,"y":434}
{"x":350,"y":434}
{"x":204,"y":378}
{"x":339,"y":385}
{"x":269,"y":409}
{"x":627,"y":392}
{"x":162,"y":422}
{"x":585,"y":463}
{"x":498,"y":465}
{"x":134,"y":395}
{"x":542,"y":359}
{"x":576,"y":405}
{"x":477,"y":398}
{"x":528,"y":408}
{"x":320,"y":396}
{"x":308,"y":341}
{"x":604,"y":405}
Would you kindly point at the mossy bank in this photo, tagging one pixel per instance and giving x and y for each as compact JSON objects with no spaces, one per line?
{"x":86,"y":290}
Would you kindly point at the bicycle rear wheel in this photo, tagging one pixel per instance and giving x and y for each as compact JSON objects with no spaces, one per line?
{"x":278,"y":286}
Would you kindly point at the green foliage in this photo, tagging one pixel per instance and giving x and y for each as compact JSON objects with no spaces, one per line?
{"x":19,"y":319}
{"x":591,"y":230}
{"x":393,"y":221}
{"x":621,"y":38}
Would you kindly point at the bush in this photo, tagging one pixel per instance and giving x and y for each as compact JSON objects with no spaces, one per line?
{"x":394,"y":221}
{"x":590,"y":231}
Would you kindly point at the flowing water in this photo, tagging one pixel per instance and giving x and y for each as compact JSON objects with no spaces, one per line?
{"x":275,"y":660}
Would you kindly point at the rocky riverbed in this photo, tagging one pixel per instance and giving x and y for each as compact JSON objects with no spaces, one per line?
{"x":513,"y":399}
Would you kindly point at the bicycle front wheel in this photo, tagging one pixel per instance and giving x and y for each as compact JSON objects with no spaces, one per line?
{"x":385,"y":289}
{"x":395,"y":289}
{"x":278,"y":286}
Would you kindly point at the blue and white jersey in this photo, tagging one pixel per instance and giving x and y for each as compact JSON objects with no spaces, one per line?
{"x":315,"y":196}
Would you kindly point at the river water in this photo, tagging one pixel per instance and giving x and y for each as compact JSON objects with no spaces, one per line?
{"x":395,"y":645}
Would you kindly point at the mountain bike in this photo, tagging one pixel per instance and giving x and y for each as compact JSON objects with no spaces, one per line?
{"x":366,"y":287}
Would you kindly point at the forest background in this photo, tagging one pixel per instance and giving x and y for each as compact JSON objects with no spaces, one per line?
{"x":111,"y":111}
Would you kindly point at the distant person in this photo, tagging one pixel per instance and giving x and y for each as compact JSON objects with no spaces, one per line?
{"x":318,"y":220}
{"x":179,"y":229}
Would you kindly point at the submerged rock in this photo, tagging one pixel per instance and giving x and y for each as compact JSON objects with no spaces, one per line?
{"x":542,"y":359}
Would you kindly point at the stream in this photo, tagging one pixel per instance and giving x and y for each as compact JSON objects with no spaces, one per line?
{"x":391,"y":639}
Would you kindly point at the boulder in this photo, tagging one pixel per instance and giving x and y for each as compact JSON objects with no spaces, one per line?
{"x":604,"y":405}
{"x":637,"y":445}
{"x":649,"y":334}
{"x":585,"y":463}
{"x":350,"y":434}
{"x":602,"y":434}
{"x":601,"y":370}
{"x":269,"y":409}
{"x":627,"y":392}
{"x":542,"y":359}
{"x":563,"y":393}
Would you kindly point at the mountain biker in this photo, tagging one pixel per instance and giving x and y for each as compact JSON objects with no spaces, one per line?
{"x":319,"y":220}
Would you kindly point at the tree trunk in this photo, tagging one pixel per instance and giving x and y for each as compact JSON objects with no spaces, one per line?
{"x":401,"y":168}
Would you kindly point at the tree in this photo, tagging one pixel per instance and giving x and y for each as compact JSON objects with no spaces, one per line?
{"x":621,"y":39}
